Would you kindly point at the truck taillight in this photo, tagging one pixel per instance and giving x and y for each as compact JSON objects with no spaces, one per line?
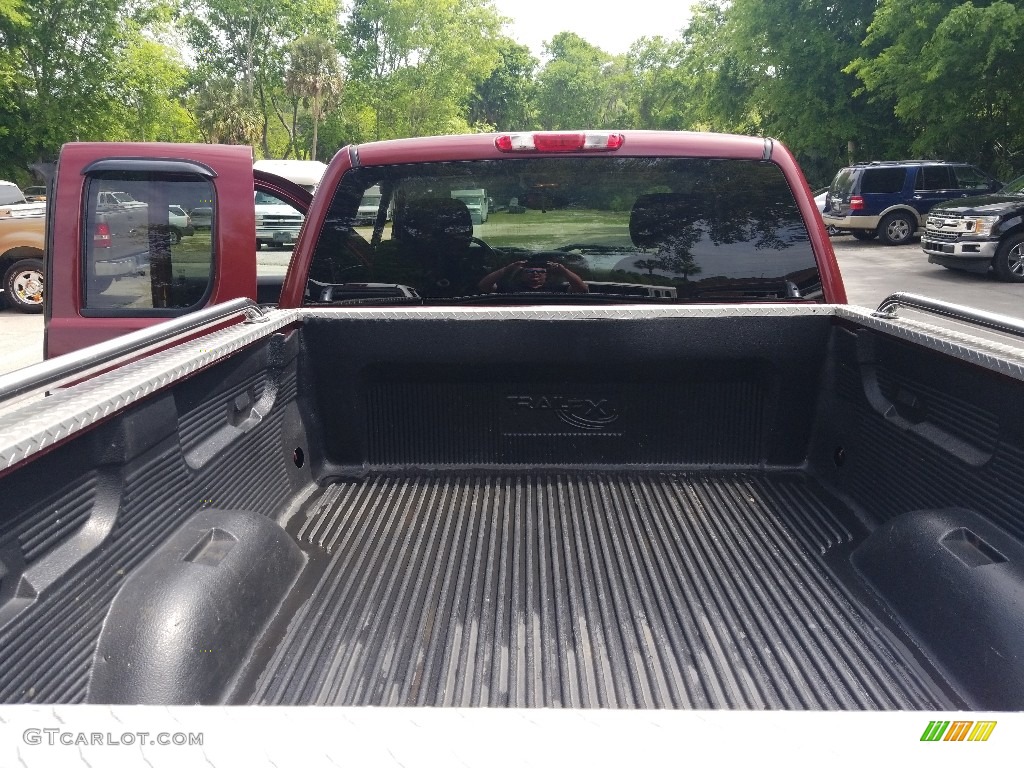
{"x":856,"y":203}
{"x":587,"y":141}
{"x":101,"y":237}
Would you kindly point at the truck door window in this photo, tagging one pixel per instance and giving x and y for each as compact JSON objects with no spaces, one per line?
{"x":143,"y":252}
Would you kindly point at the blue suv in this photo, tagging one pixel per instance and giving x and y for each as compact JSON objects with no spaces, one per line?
{"x":890,"y":200}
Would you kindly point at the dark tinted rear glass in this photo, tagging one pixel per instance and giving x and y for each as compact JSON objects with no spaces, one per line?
{"x":882,"y":180}
{"x":656,"y":228}
{"x":842,"y":184}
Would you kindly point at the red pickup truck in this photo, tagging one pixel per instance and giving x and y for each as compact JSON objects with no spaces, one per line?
{"x":621,"y":445}
{"x":172,"y":279}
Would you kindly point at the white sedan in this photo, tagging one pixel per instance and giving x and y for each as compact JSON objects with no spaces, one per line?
{"x":820,"y":196}
{"x":180,"y":221}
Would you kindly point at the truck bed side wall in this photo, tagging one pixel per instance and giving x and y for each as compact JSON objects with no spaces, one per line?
{"x":80,"y":520}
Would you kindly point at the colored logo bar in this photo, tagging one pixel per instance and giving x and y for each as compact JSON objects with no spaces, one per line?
{"x":958,"y":730}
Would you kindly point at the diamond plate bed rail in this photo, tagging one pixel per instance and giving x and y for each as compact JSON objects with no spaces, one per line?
{"x":80,"y":363}
{"x":34,"y":426}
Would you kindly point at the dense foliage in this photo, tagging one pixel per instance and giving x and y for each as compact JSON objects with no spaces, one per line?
{"x":860,"y":79}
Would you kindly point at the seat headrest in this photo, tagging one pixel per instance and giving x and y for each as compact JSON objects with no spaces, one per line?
{"x":434,"y":220}
{"x":662,"y":217}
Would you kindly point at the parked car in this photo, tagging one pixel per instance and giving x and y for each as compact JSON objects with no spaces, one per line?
{"x":202,"y":217}
{"x":277,"y":222}
{"x":180,"y":222}
{"x":13,"y":201}
{"x":477,"y":202}
{"x":10,"y":194}
{"x":35,"y":194}
{"x":22,"y":249}
{"x":978,"y":233}
{"x":820,"y":200}
{"x":890,"y":200}
{"x":369,"y":205}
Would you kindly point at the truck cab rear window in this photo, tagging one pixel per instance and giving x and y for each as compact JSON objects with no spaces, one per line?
{"x":657,"y":229}
{"x":147,"y":243}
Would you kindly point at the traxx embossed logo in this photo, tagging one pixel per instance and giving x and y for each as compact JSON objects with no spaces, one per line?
{"x":580,"y":412}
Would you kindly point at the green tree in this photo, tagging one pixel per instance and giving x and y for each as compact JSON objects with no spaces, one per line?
{"x":953,"y":71}
{"x":9,"y":10}
{"x":659,"y":93}
{"x":717,"y":83}
{"x":505,"y":99}
{"x":414,"y":64}
{"x":581,"y":86}
{"x":151,"y":79}
{"x":247,"y":41}
{"x":60,"y":65}
{"x":225,"y":114}
{"x":314,"y":77}
{"x":778,"y":69}
{"x":10,"y":19}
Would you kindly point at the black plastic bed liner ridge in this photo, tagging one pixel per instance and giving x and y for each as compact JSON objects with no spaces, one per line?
{"x":584,"y":589}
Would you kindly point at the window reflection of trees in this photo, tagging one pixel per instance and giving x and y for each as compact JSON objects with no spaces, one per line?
{"x":742,"y":218}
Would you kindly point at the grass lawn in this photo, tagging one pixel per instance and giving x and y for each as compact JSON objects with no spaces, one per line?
{"x":547,"y":230}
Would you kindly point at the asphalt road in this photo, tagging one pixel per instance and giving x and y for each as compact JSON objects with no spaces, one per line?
{"x":870,"y":270}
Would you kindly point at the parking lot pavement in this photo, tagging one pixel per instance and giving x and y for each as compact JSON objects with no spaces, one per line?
{"x":871,"y":271}
{"x":21,"y":340}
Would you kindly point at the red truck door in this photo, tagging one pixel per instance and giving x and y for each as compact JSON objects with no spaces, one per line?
{"x":119,"y":254}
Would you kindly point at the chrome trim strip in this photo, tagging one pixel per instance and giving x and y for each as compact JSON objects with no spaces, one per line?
{"x":992,"y":355}
{"x":1002,"y":323}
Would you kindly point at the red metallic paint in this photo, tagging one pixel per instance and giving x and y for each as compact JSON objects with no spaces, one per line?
{"x":235,"y":239}
{"x":235,"y":273}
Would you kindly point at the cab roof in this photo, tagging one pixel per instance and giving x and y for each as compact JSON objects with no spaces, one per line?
{"x":482,"y":146}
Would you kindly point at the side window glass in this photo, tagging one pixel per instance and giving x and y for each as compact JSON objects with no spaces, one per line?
{"x":969,"y":177}
{"x":934,"y":177}
{"x":148,"y":245}
{"x":10,"y":194}
{"x":277,"y":229}
{"x":883,"y":180}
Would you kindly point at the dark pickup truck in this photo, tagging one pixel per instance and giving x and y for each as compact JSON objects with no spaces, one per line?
{"x":980,"y":233}
{"x":473,"y":465}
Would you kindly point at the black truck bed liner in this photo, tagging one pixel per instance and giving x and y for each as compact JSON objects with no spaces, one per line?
{"x":586,"y":589}
{"x":777,"y":511}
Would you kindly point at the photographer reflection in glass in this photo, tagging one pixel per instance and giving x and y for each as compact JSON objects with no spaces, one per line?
{"x":533,"y":275}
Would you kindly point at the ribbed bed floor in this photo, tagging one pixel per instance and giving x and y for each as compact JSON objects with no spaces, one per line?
{"x":616,"y":589}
